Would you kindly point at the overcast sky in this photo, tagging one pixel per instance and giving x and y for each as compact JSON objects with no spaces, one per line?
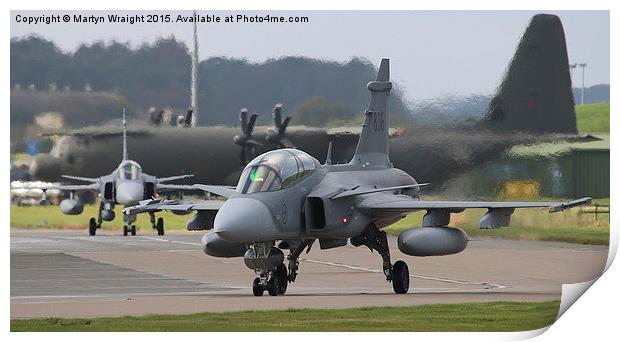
{"x":433,"y":53}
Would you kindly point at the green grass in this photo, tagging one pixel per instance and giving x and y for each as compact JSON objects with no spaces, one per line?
{"x":493,"y":316}
{"x":528,"y":224}
{"x":593,"y":118}
{"x":51,"y":217}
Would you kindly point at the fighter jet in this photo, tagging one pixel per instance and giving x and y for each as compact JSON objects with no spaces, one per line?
{"x":286,"y":200}
{"x":126,"y":185}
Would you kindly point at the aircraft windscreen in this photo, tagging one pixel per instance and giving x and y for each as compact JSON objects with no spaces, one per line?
{"x":129,"y":171}
{"x":275,"y":170}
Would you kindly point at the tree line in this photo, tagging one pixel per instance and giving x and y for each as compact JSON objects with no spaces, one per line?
{"x":157,"y":75}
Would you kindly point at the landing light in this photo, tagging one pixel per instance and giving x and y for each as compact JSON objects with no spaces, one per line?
{"x":344,"y":220}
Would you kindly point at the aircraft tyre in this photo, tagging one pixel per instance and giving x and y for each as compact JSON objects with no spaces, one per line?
{"x":273,"y":286}
{"x":133,"y":230}
{"x":92,"y":226}
{"x":400,"y":277}
{"x":160,"y":226}
{"x":125,"y":230}
{"x":257,"y":288}
{"x":281,"y":275}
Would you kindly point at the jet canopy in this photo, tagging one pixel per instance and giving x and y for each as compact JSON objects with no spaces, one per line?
{"x":129,"y":169}
{"x":275,"y":170}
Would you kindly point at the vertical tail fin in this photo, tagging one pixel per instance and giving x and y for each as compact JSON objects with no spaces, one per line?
{"x":536,"y":92}
{"x":124,"y":136}
{"x":372,"y":147}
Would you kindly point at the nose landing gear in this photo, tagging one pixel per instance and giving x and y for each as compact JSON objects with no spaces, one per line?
{"x":268,"y":262}
{"x":129,"y":227}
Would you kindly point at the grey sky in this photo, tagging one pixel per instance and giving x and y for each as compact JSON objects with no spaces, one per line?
{"x":433,"y":52}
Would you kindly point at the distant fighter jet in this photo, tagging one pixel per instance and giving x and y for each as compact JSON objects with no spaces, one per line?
{"x":286,"y":200}
{"x":127,"y":185}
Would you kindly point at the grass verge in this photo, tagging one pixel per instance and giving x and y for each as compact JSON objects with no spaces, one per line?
{"x":51,"y":217}
{"x":492,"y":316}
{"x":593,"y":118}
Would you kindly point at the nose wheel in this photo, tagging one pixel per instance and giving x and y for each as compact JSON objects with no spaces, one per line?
{"x":257,"y":288}
{"x":275,"y":286}
{"x":129,"y":230}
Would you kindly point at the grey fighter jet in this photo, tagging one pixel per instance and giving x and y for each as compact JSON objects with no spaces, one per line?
{"x":286,"y":200}
{"x":127,"y":186}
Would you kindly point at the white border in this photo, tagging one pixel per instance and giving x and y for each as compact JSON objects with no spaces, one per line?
{"x":595,"y":315}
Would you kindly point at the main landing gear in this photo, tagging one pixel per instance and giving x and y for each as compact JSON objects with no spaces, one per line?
{"x":159,"y":226}
{"x":93,"y":224}
{"x":92,"y":227}
{"x":268,"y":262}
{"x":376,"y":239}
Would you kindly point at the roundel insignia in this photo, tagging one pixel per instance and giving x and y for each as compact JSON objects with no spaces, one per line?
{"x":284,"y":213}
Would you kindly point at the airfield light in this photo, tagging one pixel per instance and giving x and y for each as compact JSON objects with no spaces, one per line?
{"x":583,"y":77}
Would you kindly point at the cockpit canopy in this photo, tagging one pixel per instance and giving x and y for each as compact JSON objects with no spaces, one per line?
{"x":275,"y":170}
{"x":129,"y":170}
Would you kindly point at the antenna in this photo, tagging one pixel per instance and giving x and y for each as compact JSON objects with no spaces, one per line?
{"x":124,"y":136}
{"x":195,"y":66}
{"x":328,"y":158}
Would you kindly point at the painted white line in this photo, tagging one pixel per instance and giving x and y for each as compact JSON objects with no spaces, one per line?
{"x":445,"y":280}
{"x":170,"y":241}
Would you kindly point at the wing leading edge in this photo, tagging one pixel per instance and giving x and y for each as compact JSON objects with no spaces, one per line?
{"x":438,"y":212}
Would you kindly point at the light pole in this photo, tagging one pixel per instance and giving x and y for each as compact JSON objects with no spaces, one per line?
{"x":583,"y":78}
{"x":571,"y":67}
{"x":195,"y":66}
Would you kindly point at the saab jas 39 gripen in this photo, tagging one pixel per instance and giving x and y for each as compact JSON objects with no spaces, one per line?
{"x":127,"y":186}
{"x":286,"y":200}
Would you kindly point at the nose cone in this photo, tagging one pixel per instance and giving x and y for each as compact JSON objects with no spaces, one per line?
{"x":245,"y":220}
{"x":129,"y":193}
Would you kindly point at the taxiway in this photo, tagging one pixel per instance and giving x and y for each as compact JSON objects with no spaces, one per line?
{"x":69,"y":274}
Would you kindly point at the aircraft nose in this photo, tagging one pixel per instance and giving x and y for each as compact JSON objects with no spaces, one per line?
{"x":129,"y":193}
{"x":245,"y":220}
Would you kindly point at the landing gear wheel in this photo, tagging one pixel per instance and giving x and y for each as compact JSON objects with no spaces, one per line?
{"x":257,"y":288}
{"x":92,"y":226}
{"x":400,"y":277}
{"x":273,"y":286}
{"x":160,"y":226}
{"x":125,"y":230}
{"x":281,"y":276}
{"x":133,"y":230}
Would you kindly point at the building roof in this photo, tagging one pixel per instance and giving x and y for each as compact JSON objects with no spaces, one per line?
{"x":554,"y":150}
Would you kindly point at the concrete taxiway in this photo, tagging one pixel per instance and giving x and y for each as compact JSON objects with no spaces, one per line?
{"x":69,"y":274}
